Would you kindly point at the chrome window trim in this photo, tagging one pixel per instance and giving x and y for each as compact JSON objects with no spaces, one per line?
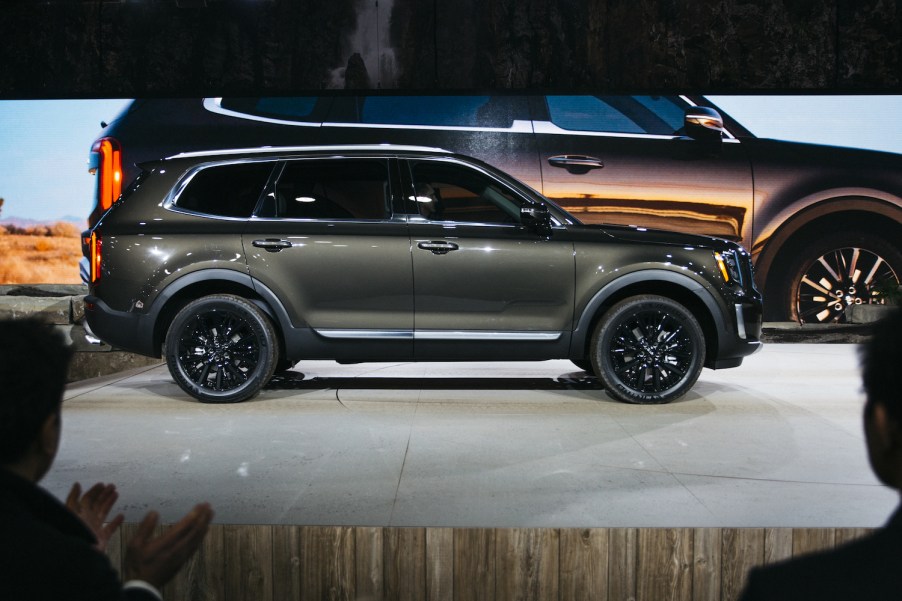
{"x":518,"y":126}
{"x":378,"y":150}
{"x":502,"y":335}
{"x":214,"y":105}
{"x":549,"y":128}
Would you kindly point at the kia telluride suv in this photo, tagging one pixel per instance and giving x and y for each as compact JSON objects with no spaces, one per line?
{"x":236,"y":264}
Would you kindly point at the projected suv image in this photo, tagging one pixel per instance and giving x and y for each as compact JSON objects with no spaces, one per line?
{"x":236,"y":264}
{"x":823,"y":224}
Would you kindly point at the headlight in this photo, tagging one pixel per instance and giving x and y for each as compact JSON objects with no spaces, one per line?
{"x":729,"y":266}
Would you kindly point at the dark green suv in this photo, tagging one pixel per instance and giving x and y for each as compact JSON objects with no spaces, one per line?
{"x":237,"y":264}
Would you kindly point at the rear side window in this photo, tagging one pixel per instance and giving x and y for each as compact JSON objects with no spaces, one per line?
{"x":334,"y":189}
{"x":225,"y":190}
{"x":288,"y":108}
{"x":660,"y":115}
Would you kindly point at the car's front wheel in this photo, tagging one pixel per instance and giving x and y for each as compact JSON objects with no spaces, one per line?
{"x":648,"y":349}
{"x":221,"y":349}
{"x":841,"y":270}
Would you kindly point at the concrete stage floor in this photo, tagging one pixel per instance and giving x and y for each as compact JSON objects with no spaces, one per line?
{"x":776,"y":442}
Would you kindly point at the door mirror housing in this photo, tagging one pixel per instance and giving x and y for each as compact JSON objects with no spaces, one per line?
{"x":536,"y":217}
{"x":703,"y":124}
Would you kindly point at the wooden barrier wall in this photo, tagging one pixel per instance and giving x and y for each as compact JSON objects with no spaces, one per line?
{"x":285,"y":563}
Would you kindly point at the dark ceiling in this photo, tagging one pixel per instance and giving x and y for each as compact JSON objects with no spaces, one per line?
{"x":127,"y":48}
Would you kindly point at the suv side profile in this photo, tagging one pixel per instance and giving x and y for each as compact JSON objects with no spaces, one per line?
{"x":823,"y":224}
{"x":236,"y":264}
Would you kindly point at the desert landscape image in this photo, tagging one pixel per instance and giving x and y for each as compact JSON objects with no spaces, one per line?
{"x":39,"y":253}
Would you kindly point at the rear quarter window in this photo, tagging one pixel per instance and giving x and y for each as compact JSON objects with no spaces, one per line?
{"x":225,"y":190}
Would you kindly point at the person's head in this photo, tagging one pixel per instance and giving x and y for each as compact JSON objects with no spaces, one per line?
{"x":881,"y":374}
{"x":34,"y":360}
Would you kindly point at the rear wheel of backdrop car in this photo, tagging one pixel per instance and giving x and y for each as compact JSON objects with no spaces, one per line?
{"x":648,"y":349}
{"x":221,"y":349}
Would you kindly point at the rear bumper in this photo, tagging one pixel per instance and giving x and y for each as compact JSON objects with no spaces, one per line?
{"x":120,"y":329}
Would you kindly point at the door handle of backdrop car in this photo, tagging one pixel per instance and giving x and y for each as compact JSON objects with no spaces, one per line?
{"x":575,"y":163}
{"x":272,"y":245}
{"x":438,"y":248}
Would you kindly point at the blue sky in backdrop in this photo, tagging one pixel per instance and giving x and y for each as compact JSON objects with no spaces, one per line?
{"x":44,"y":144}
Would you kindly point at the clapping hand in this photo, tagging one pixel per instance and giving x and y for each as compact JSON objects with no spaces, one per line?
{"x":93,"y":508}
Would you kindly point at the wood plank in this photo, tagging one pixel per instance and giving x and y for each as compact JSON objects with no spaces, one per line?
{"x":527,"y":564}
{"x":328,"y":563}
{"x":286,"y":560}
{"x":474,"y":564}
{"x":844,"y":536}
{"x":777,"y":544}
{"x":811,"y":540}
{"x":370,"y":564}
{"x":405,"y":562}
{"x":622,"y":560}
{"x":664,"y":570}
{"x":584,"y":563}
{"x":440,"y":564}
{"x":201,"y":579}
{"x":707,"y":549}
{"x":742,"y":548}
{"x":248,"y":563}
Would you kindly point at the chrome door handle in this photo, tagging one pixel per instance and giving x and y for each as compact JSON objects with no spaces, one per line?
{"x":272,"y":245}
{"x":438,"y":248}
{"x":575,"y":163}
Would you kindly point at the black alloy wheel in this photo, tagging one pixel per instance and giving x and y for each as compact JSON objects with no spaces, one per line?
{"x":648,"y":349}
{"x":221,"y":349}
{"x":840,"y":272}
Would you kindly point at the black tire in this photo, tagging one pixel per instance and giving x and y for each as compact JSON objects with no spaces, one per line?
{"x":221,"y":349}
{"x":835,"y":259}
{"x":648,"y":349}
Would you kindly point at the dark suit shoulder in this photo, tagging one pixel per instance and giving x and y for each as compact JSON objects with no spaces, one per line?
{"x":864,"y":569}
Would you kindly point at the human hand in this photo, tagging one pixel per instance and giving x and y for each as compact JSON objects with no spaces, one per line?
{"x":157,"y":560}
{"x":93,"y":508}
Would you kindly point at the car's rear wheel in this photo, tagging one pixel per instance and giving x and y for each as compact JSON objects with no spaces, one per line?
{"x":221,"y":349}
{"x":648,"y":349}
{"x":841,"y":270}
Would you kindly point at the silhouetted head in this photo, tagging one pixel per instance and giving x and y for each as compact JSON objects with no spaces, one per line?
{"x":34,"y":360}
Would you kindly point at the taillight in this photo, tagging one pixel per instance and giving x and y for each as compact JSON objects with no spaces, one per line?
{"x":96,"y":251}
{"x":108,"y":162}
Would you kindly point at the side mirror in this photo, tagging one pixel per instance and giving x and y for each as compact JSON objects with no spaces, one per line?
{"x":704,"y":124}
{"x":536,"y":216}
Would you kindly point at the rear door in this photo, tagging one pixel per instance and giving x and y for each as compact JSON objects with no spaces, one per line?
{"x":624,"y":160}
{"x":329,"y":244}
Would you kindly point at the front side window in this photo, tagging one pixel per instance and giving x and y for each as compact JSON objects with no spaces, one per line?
{"x":445,"y":191}
{"x":442,"y":111}
{"x":334,"y":189}
{"x":659,"y":115}
{"x":225,"y":190}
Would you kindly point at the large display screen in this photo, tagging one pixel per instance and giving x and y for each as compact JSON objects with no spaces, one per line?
{"x":47,"y":191}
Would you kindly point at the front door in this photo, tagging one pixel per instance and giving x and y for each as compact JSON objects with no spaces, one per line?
{"x":623,"y":160}
{"x":485,"y":287}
